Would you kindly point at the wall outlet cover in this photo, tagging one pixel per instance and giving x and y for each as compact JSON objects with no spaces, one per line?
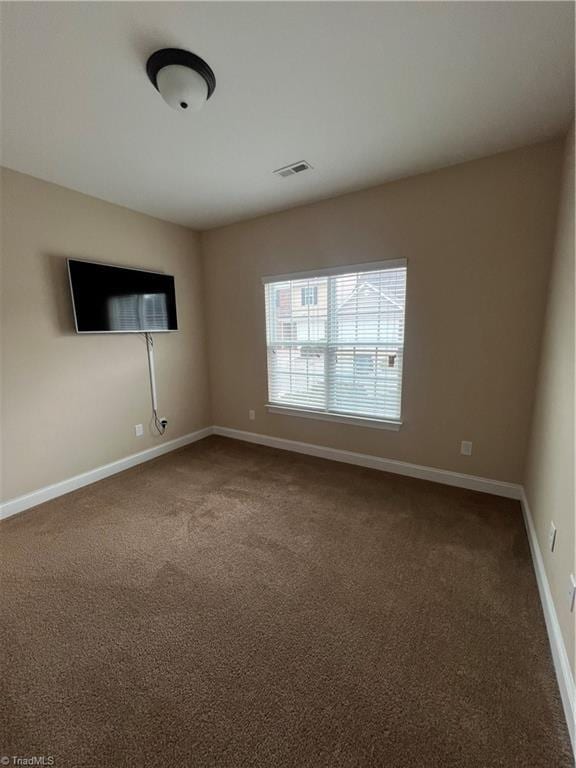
{"x":139,"y":430}
{"x":251,"y":415}
{"x":466,"y":448}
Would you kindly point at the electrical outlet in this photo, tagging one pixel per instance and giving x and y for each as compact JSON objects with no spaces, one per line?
{"x":466,"y":448}
{"x":552,"y":537}
{"x":251,"y":415}
{"x":572,"y":592}
{"x":139,"y":430}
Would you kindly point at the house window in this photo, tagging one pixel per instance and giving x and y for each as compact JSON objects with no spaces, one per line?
{"x":282,"y":298}
{"x":364,"y":363}
{"x":287,"y":331}
{"x":343,"y":355}
{"x":309,"y":295}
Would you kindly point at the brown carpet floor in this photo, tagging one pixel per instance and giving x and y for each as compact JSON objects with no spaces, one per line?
{"x":231,"y":605}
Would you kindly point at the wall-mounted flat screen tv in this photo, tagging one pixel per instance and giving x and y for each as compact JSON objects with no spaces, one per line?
{"x":108,"y":299}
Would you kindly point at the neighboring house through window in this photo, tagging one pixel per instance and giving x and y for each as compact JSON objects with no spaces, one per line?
{"x":336,"y":347}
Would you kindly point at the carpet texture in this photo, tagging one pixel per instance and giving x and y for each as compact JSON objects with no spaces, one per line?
{"x":231,"y":605}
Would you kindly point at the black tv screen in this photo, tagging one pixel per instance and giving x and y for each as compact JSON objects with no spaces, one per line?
{"x":109,"y":299}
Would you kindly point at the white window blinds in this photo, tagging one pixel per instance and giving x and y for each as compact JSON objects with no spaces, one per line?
{"x":343,"y":353}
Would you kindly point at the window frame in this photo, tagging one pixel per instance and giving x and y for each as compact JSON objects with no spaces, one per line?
{"x":324,"y":415}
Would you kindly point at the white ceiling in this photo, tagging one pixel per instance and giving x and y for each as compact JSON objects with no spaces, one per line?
{"x":366,"y":92}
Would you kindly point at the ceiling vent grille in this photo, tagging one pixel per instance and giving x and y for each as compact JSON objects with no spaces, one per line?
{"x":293,"y":168}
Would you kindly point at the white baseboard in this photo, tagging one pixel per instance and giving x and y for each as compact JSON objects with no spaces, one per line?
{"x":20,"y":503}
{"x":32,"y":499}
{"x":444,"y":476}
{"x":557,"y":646}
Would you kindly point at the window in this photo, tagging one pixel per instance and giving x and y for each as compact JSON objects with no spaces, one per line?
{"x":287,"y":331}
{"x":343,"y":355}
{"x":282,"y":299}
{"x":364,"y":364}
{"x":309,"y":295}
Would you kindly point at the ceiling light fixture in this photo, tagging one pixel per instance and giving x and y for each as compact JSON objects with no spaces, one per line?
{"x":183,"y":79}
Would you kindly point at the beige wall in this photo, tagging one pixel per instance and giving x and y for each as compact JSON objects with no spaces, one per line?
{"x":477,"y":239}
{"x":550,"y":468}
{"x":70,"y":402}
{"x":478,"y":242}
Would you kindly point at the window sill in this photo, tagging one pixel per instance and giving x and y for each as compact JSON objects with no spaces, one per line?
{"x":358,"y":421}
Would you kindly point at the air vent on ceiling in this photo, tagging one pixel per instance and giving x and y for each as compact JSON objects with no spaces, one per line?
{"x":290,"y":170}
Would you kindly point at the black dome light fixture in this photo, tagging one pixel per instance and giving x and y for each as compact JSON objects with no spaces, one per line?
{"x":184,"y":80}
